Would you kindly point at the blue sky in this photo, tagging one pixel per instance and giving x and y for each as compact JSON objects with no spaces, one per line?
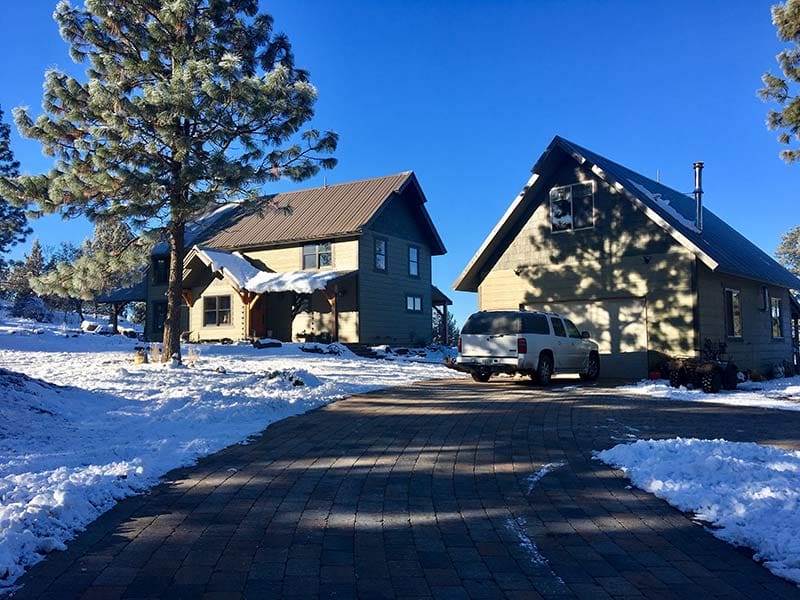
{"x":468,"y":94}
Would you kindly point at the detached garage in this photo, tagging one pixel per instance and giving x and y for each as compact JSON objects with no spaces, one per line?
{"x":646,"y":269}
{"x":618,"y":325}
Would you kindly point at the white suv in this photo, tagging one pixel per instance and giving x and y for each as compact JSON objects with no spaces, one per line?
{"x":532,"y":343}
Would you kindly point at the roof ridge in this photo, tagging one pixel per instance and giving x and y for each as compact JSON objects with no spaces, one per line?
{"x":330,"y":185}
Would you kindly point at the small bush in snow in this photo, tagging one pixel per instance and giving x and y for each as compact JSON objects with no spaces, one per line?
{"x":31,"y":307}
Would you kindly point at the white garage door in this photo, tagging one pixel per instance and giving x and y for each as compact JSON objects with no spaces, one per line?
{"x":619,"y":327}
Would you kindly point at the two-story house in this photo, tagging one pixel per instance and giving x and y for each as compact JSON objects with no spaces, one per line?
{"x":348,"y":262}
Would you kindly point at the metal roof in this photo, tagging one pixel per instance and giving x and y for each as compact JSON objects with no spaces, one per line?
{"x":719,"y":246}
{"x":134,"y":293}
{"x":317,"y":213}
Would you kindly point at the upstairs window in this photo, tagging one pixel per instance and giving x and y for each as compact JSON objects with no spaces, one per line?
{"x":160,"y":270}
{"x":776,"y":315}
{"x":413,"y":261}
{"x":216,"y":310}
{"x":317,"y":256}
{"x":380,"y":254}
{"x":414,"y":303}
{"x":572,"y":207}
{"x":733,"y":313}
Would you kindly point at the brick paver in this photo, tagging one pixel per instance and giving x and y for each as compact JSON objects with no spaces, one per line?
{"x":425,"y":492}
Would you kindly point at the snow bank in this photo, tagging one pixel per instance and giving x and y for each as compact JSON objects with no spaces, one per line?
{"x":433,"y":353}
{"x":81,"y":426}
{"x":750,"y":494}
{"x":782,"y":394}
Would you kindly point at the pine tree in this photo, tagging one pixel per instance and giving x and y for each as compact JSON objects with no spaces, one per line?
{"x":19,"y":283}
{"x":188,"y":103}
{"x":788,"y":253}
{"x":13,"y":223}
{"x":452,"y":329}
{"x":109,"y":260}
{"x":786,"y":17}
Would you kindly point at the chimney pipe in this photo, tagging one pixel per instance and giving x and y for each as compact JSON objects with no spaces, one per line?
{"x":698,"y":194}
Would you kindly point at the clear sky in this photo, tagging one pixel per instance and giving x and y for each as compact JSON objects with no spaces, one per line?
{"x":468,"y":94}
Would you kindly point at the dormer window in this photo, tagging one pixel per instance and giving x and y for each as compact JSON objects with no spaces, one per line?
{"x":317,"y":256}
{"x":572,"y":207}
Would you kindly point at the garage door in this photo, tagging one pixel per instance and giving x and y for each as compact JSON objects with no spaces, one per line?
{"x":618,"y":326}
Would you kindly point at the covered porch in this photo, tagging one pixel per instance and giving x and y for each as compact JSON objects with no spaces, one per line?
{"x":289,"y":306}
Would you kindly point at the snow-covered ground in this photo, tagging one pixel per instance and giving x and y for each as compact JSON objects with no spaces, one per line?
{"x":81,"y":426}
{"x":749,"y":494}
{"x":783,"y":394}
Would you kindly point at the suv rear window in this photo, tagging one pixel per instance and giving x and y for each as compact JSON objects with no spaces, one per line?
{"x":492,"y":323}
{"x":535,"y":323}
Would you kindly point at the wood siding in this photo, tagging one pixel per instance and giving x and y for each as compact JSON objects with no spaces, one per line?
{"x":756,"y":349}
{"x":625,"y":255}
{"x":382,"y":295}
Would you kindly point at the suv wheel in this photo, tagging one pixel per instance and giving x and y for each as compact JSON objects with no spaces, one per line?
{"x":481,"y":376}
{"x":544,"y":372}
{"x":592,"y":369}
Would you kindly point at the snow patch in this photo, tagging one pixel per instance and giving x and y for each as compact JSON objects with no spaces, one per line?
{"x":666,"y":206}
{"x":781,"y":394}
{"x":748,"y":493}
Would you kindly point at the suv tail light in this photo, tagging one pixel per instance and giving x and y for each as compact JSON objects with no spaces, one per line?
{"x":522,"y":346}
{"x":459,"y":345}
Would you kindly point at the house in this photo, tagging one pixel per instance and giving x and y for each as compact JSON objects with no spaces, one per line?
{"x":647,"y":270}
{"x":348,"y":262}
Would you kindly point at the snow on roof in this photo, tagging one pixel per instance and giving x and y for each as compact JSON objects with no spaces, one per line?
{"x":664,"y":203}
{"x":302,"y":282}
{"x":246,"y":277}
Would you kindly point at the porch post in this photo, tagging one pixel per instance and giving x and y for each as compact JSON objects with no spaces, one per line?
{"x":444,"y":326}
{"x":335,"y":313}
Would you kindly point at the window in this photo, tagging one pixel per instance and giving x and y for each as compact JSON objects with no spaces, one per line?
{"x":572,"y":331}
{"x":216,"y":310}
{"x":492,"y":323}
{"x":160,"y":270}
{"x":317,"y":256}
{"x":572,"y":207}
{"x":535,"y":323}
{"x":776,"y":315}
{"x":558,"y":327}
{"x":159,"y":315}
{"x":380,"y":254}
{"x":733,"y":313}
{"x":413,"y":261}
{"x":413,"y":303}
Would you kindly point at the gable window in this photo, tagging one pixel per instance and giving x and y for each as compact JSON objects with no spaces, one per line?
{"x":216,"y":310}
{"x":413,"y":261}
{"x":733,"y":313}
{"x":413,"y":303}
{"x":380,"y":254}
{"x":160,"y":270}
{"x":572,"y":207}
{"x":776,"y":315}
{"x":317,"y":256}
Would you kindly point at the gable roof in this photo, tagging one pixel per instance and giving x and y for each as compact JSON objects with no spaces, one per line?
{"x":321,"y":213}
{"x":720,"y":247}
{"x":243,"y":276}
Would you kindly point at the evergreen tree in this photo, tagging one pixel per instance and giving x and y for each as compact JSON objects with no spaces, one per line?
{"x":452,"y":329}
{"x":188,"y":103}
{"x":111,"y":259}
{"x":788,"y":253}
{"x":13,"y":223}
{"x":785,"y":91}
{"x":26,"y":303}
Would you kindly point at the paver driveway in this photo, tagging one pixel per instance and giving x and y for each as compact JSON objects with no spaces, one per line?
{"x":425,"y":491}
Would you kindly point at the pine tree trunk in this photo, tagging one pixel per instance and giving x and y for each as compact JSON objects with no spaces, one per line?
{"x":79,"y":309}
{"x":172,"y":324}
{"x":115,"y":308}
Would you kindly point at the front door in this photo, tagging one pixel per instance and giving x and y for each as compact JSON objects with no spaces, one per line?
{"x":258,"y":318}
